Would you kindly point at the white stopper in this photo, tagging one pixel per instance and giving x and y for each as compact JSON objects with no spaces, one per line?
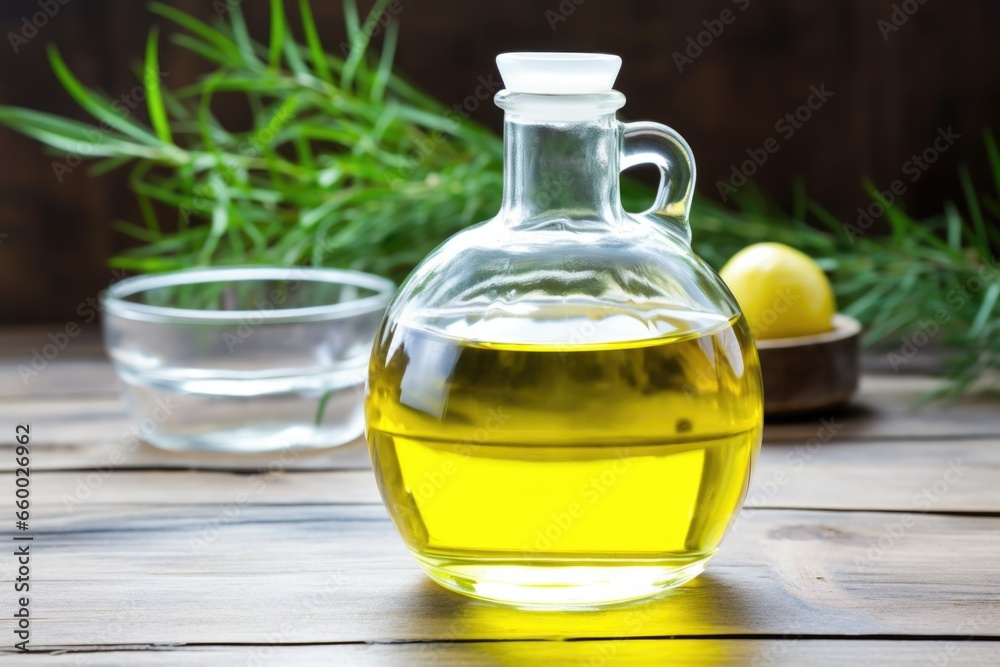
{"x":558,"y":73}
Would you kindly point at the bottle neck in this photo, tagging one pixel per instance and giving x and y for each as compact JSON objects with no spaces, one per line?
{"x":564,"y":169}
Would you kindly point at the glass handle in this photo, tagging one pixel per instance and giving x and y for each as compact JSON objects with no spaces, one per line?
{"x":659,"y":145}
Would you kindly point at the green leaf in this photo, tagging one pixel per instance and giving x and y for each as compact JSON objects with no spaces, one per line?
{"x":985,"y":309}
{"x":384,"y":71}
{"x":74,"y":137}
{"x":359,"y":38}
{"x":207,"y":124}
{"x":242,"y":36}
{"x":824,"y":216}
{"x":220,"y":223}
{"x":319,"y":59}
{"x":994,"y":157}
{"x":222,"y":44}
{"x":198,"y":47}
{"x":135,"y":231}
{"x":147,"y":265}
{"x":175,"y":107}
{"x":277,"y":33}
{"x":800,"y":202}
{"x":903,"y":226}
{"x":975,"y":211}
{"x":94,"y":105}
{"x":354,"y":49}
{"x":108,"y":165}
{"x":149,"y":215}
{"x":295,"y":61}
{"x":954,"y":226}
{"x":154,"y":95}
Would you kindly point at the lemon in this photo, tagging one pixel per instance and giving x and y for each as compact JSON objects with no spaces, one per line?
{"x":783,"y":292}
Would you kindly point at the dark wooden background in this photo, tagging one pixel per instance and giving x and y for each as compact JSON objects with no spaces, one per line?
{"x":890,"y":97}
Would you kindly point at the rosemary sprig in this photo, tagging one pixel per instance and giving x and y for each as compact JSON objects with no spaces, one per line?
{"x":345,"y":163}
{"x":929,"y":284}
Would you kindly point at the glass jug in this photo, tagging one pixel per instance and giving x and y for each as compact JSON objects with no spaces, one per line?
{"x":564,"y":402}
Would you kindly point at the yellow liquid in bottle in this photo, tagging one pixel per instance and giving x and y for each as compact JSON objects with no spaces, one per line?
{"x":561,"y":474}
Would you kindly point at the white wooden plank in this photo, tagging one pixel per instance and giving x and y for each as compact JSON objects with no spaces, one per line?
{"x":897,"y":476}
{"x":113,"y":574}
{"x":716,"y":652}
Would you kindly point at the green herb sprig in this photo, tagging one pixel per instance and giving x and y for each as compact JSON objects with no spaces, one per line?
{"x":930,"y":284}
{"x":345,"y":163}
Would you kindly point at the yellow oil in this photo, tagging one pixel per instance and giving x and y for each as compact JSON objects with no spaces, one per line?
{"x":573,"y":473}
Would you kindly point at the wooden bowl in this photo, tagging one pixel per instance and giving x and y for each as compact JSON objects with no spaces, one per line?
{"x":810,"y":373}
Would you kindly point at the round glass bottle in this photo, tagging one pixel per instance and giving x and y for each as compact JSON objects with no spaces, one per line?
{"x":564,"y":402}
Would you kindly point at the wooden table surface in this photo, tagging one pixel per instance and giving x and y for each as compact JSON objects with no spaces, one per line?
{"x":870,"y":536}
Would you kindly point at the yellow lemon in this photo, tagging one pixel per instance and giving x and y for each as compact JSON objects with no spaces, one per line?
{"x":783,"y":292}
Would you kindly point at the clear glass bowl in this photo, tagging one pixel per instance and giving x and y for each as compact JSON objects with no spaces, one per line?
{"x":245,"y":359}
